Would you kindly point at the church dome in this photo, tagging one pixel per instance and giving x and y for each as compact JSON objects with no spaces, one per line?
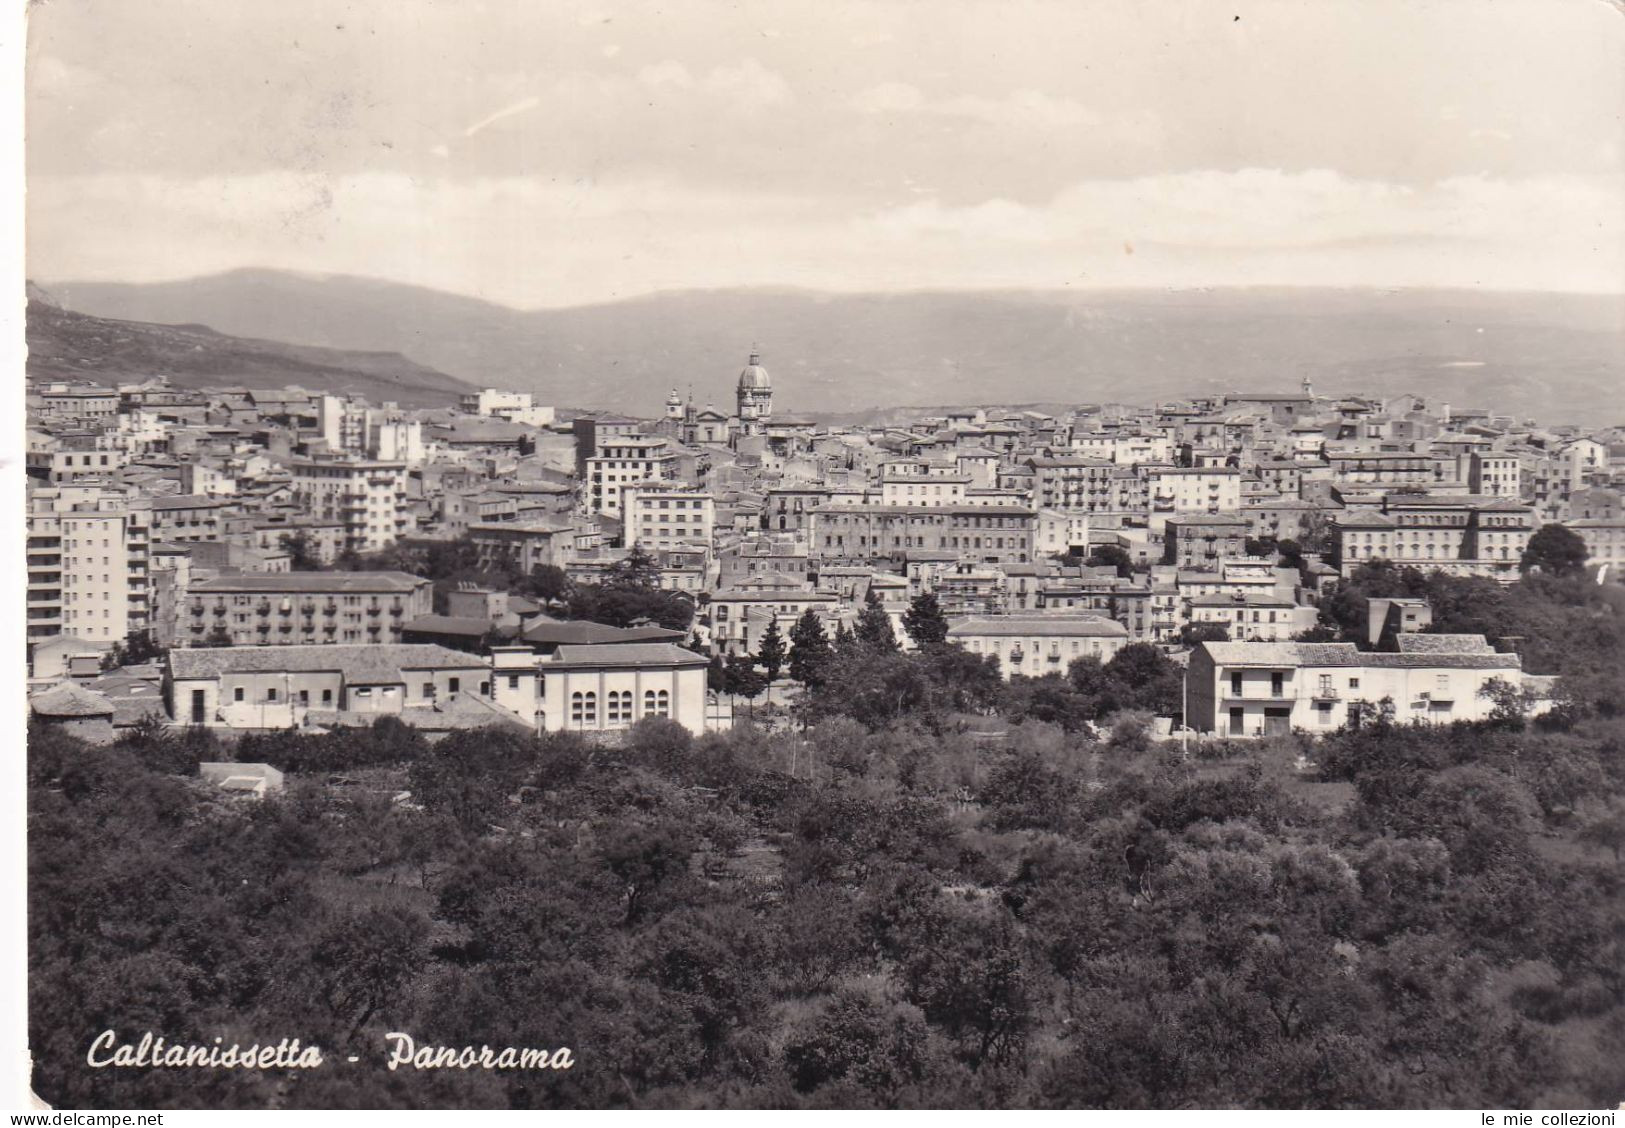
{"x":754,"y":377}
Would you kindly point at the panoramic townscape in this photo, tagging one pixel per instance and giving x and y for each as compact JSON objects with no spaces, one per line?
{"x":985,"y":555}
{"x":248,"y":559}
{"x":1259,"y":748}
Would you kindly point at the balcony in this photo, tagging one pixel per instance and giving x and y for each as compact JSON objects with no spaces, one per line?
{"x":1272,"y":701}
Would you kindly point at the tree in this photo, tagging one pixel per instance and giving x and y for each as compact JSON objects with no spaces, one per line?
{"x":1143,"y":677}
{"x":219,"y":636}
{"x":1265,"y":546}
{"x":845,"y":641}
{"x":301,"y":554}
{"x":1193,"y":633}
{"x":925,"y":622}
{"x":810,"y":651}
{"x":548,"y":582}
{"x":637,"y":570}
{"x":1112,"y":556}
{"x":972,"y":981}
{"x":1556,"y":551}
{"x":770,"y":655}
{"x":741,"y":679}
{"x":1512,"y":703}
{"x":874,"y":625}
{"x":645,"y":857}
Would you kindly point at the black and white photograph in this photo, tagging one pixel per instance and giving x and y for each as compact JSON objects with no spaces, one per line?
{"x":863,"y":555}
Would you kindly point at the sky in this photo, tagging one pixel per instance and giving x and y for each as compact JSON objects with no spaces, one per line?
{"x":546,"y":154}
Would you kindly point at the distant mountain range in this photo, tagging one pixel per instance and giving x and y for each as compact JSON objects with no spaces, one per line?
{"x":1552,"y":357}
{"x":64,"y":344}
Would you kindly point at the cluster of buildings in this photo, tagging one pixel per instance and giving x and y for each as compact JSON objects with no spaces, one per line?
{"x":207,"y":524}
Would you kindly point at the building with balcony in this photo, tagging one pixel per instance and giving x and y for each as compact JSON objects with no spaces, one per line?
{"x":1176,"y":490}
{"x":88,"y":563}
{"x":1073,"y":485}
{"x":983,"y":533}
{"x":304,"y":608}
{"x":659,"y":518}
{"x":1202,"y":540}
{"x":1036,"y":645}
{"x":366,"y":497}
{"x":622,"y":461}
{"x":1463,"y":535}
{"x":522,"y":545}
{"x":1252,"y":689}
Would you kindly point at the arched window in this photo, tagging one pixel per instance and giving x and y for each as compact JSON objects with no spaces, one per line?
{"x":648,"y":703}
{"x":584,"y":708}
{"x":663,"y":703}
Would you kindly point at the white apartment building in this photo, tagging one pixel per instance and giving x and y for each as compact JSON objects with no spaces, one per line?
{"x":1056,"y":533}
{"x":1209,"y":489}
{"x":1039,"y":644}
{"x":395,"y":440}
{"x":660,"y":518}
{"x":88,"y":558}
{"x":626,"y":460}
{"x":367,"y":497}
{"x":905,"y":485}
{"x":1494,"y":474}
{"x":515,"y":407}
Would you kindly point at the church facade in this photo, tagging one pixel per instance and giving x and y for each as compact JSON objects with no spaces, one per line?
{"x":753,"y":411}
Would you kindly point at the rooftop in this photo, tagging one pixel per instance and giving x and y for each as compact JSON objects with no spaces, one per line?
{"x":1300,"y":654}
{"x":633,"y":654}
{"x":375,"y":664}
{"x":313,"y":582}
{"x":1041,"y":626}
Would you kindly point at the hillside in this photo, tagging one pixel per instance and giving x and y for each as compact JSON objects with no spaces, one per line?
{"x":1553,"y":357}
{"x":65,"y":344}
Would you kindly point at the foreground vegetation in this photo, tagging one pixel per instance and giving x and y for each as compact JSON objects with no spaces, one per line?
{"x":900,"y":917}
{"x":934,"y":889}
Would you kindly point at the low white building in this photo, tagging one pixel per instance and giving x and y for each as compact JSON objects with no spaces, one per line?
{"x":1036,"y":645}
{"x":607,"y":688}
{"x":1251,"y":689}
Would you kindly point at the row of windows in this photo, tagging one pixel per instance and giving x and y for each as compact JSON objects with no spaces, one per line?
{"x":674,"y":503}
{"x":617,"y":706}
{"x":273,"y":694}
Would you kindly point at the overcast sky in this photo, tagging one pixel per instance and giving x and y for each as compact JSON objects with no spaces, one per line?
{"x":542,"y":153}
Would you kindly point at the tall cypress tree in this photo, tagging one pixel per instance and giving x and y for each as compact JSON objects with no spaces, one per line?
{"x":810,"y":651}
{"x":925,"y":622}
{"x":770,"y":655}
{"x":874,"y":625}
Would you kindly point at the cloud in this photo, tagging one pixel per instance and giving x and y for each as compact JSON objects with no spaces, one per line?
{"x":1266,"y":209}
{"x":747,"y":84}
{"x":606,"y":237}
{"x":1020,"y":109}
